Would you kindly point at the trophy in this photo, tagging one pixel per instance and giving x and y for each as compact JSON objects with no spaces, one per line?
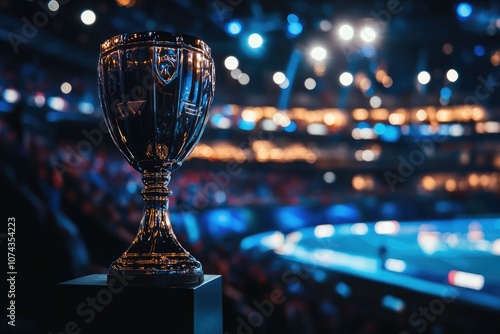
{"x":156,"y":90}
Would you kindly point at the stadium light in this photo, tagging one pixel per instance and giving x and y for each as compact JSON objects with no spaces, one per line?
{"x":318,"y":53}
{"x":368,"y":34}
{"x":346,"y":32}
{"x":88,"y":17}
{"x":424,"y":78}
{"x":255,"y":41}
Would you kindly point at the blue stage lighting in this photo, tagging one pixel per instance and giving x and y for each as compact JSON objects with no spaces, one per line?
{"x":342,"y":213}
{"x":234,"y":27}
{"x":244,"y":125}
{"x":464,"y":10}
{"x":255,"y":41}
{"x":291,"y":127}
{"x":290,"y":218}
{"x":368,"y":51}
{"x":446,"y":93}
{"x":295,"y":28}
{"x":379,"y":128}
{"x":223,"y":222}
{"x":292,"y":18}
{"x":479,"y":50}
{"x":363,"y":125}
{"x":391,"y":134}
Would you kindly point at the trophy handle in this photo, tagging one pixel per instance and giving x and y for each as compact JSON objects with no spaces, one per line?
{"x":166,"y":63}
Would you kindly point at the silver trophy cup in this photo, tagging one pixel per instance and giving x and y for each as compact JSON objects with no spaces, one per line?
{"x":156,"y":90}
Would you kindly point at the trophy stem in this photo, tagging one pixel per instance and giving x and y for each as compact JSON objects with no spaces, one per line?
{"x":155,"y":257}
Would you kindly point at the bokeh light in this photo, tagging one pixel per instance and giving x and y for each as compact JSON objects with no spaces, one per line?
{"x":346,"y":32}
{"x":255,"y":41}
{"x":424,"y":77}
{"x":88,"y":17}
{"x":318,"y":53}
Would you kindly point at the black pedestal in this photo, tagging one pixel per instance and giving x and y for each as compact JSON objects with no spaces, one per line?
{"x":90,"y":305}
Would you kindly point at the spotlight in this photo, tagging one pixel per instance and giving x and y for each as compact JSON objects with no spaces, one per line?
{"x":279,"y":78}
{"x":346,"y":79}
{"x":255,"y":41}
{"x":66,"y":87}
{"x":368,"y":34}
{"x":295,"y":28}
{"x":11,"y":95}
{"x":346,"y":32}
{"x":424,"y":77}
{"x":318,"y":53}
{"x":88,"y":17}
{"x":464,"y":10}
{"x":234,"y":27}
{"x":231,"y":63}
{"x":452,"y":75}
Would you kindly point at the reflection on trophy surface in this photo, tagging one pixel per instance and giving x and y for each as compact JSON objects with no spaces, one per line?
{"x":156,"y":89}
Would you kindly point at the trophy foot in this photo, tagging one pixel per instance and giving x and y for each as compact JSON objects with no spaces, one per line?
{"x":156,"y":270}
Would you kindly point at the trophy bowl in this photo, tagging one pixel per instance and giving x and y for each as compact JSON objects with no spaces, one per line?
{"x":156,"y":90}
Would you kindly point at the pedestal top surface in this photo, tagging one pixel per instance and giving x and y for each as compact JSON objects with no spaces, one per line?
{"x":100,"y":280}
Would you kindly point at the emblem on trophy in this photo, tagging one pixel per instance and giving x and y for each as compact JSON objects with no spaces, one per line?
{"x":156,"y":91}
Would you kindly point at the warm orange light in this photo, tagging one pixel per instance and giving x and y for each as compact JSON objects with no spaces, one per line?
{"x":447,"y":49}
{"x":473,"y":180}
{"x":421,"y":115}
{"x":319,"y":69}
{"x":360,"y":114}
{"x":329,"y":118}
{"x":477,"y":114}
{"x":444,"y":115}
{"x":365,"y":84}
{"x":125,"y":3}
{"x":379,"y":114}
{"x":396,"y":119}
{"x":485,"y":181}
{"x":380,"y":75}
{"x":495,"y":58}
{"x":450,"y":185}
{"x":428,"y":183}
{"x":387,"y":82}
{"x":358,"y":182}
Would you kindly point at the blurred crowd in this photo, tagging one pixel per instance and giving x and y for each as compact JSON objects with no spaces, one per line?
{"x":100,"y":195}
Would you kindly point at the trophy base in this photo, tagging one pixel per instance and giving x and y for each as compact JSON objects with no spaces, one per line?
{"x":157,"y":269}
{"x":167,"y":280}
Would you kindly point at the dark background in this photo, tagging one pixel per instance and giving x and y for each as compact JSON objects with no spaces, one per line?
{"x":75,"y":219}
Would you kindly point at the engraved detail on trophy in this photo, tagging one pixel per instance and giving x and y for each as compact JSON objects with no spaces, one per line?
{"x":191,"y":108}
{"x":166,"y":63}
{"x":151,"y":85}
{"x":161,"y":151}
{"x":131,"y":108}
